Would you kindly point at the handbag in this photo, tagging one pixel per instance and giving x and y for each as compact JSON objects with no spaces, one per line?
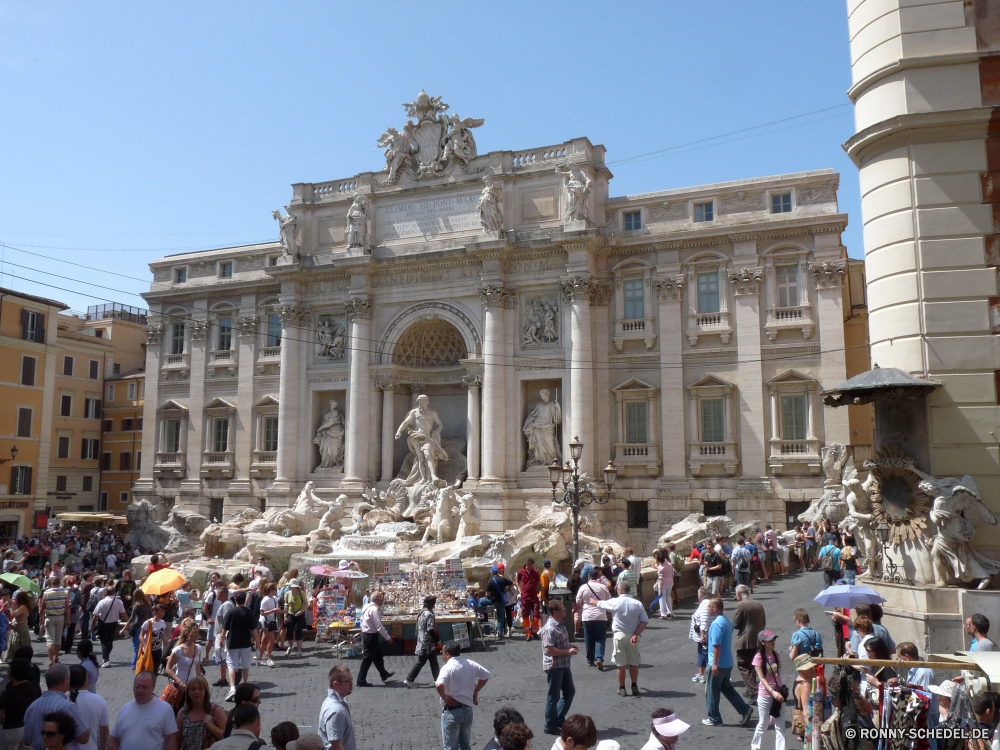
{"x":775,"y":709}
{"x":509,"y":596}
{"x":174,"y":694}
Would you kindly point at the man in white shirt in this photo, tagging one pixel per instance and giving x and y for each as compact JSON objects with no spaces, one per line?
{"x":146,"y":723}
{"x":93,"y":708}
{"x":111,"y":562}
{"x":107,"y":614}
{"x":261,"y":568}
{"x":458,"y":683}
{"x":630,"y":619}
{"x":371,"y":628}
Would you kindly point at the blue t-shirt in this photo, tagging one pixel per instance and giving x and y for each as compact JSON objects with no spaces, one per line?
{"x":806,"y":639}
{"x":720,"y":634}
{"x":831,"y":550}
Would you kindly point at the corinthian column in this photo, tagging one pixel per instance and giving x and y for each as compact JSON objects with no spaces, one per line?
{"x":496,"y":298}
{"x":359,"y":311}
{"x":388,"y":430}
{"x":579,"y":290}
{"x":673,"y":437}
{"x":294,"y":320}
{"x":472,"y":424}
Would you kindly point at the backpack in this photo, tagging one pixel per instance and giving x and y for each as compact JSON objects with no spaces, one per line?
{"x":828,"y":564}
{"x":743,"y":563}
{"x":815,"y":643}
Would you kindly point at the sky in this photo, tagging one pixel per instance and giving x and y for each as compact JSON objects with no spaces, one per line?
{"x":131,"y":131}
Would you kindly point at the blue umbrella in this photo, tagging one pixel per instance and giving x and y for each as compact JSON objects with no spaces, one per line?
{"x":846,"y":596}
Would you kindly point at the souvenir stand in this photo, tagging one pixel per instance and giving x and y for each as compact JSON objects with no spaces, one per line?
{"x":335,"y":618}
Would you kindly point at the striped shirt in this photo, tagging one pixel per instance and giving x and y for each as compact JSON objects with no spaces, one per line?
{"x":554,"y":634}
{"x":55,"y":602}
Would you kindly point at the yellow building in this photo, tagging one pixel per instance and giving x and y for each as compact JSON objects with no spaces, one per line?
{"x":28,"y":356}
{"x":121,"y":445}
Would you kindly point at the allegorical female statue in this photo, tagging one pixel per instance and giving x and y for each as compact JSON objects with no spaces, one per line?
{"x":357,"y":222}
{"x":540,"y":429}
{"x":330,"y":439}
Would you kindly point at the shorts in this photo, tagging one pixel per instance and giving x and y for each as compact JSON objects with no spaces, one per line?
{"x":238,"y":658}
{"x":54,"y":630}
{"x":211,"y":632}
{"x":774,"y":556}
{"x":702,"y":655}
{"x":220,"y":650}
{"x":271,"y":626}
{"x":624,"y":653}
{"x":715,"y":584}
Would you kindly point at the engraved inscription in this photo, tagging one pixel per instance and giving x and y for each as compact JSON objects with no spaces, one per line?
{"x":429,"y":218}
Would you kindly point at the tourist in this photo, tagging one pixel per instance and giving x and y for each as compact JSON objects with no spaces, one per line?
{"x":52,"y":607}
{"x":108,"y":616}
{"x":151,"y":634}
{"x":629,"y":575}
{"x":284,"y":588}
{"x":19,"y":634}
{"x":335,"y":726}
{"x":269,"y":611}
{"x":74,"y":600}
{"x":742,"y":564}
{"x":575,"y":581}
{"x":918,"y":677}
{"x":829,"y":561}
{"x":771,"y":543}
{"x":88,"y":660}
{"x":876,"y":649}
{"x":237,"y":633}
{"x":545,"y":582}
{"x":720,"y":662}
{"x":93,"y":708}
{"x":945,"y":693}
{"x":496,"y":589}
{"x":849,"y":565}
{"x":771,"y":690}
{"x":800,"y":547}
{"x":371,"y":629}
{"x":126,"y":589}
{"x":281,"y":734}
{"x":184,"y":662}
{"x":983,"y":707}
{"x":307,"y":742}
{"x":427,"y":639}
{"x":805,"y":671}
{"x":53,"y":699}
{"x":714,"y":569}
{"x":749,"y":619}
{"x":528,"y":580}
{"x":246,"y":692}
{"x":665,"y":579}
{"x":665,"y":730}
{"x":261,"y":569}
{"x":763,"y":558}
{"x":458,"y":684}
{"x":556,"y":654}
{"x":296,"y":603}
{"x":516,"y":737}
{"x":980,"y":628}
{"x":629,"y":621}
{"x":157,"y":562}
{"x":209,"y":607}
{"x":595,"y":620}
{"x":141,"y":611}
{"x":34,"y":673}
{"x":145,"y":722}
{"x":805,"y":640}
{"x":20,"y":693}
{"x":255,"y":598}
{"x":502,"y":718}
{"x":246,"y":730}
{"x":58,"y":730}
{"x":810,"y":535}
{"x":700,"y":622}
{"x":200,"y":722}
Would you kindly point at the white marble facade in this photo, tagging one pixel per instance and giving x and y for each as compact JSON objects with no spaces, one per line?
{"x":685,"y":334}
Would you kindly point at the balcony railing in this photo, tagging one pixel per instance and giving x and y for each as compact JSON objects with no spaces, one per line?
{"x":634,"y":329}
{"x":169,"y":464}
{"x":270,"y":352}
{"x":644,"y":457}
{"x":709,"y":324}
{"x":175,"y":360}
{"x":701,"y":454}
{"x":264,"y":462}
{"x":784,"y":318}
{"x":791,"y":452}
{"x":225,"y":359}
{"x":217,"y":463}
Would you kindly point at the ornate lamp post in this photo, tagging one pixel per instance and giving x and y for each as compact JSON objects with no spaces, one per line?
{"x":13,"y":455}
{"x":890,"y":571}
{"x":573,"y":495}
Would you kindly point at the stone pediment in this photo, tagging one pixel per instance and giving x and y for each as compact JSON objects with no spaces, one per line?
{"x":712,"y":381}
{"x":634,"y":384}
{"x":791,"y":376}
{"x":220,"y":404}
{"x":267,"y":401}
{"x":172,"y":405}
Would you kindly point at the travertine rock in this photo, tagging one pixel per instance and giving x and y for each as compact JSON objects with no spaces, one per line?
{"x":697,"y":528}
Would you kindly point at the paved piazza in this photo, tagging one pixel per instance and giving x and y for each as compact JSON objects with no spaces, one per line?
{"x":398,"y":718}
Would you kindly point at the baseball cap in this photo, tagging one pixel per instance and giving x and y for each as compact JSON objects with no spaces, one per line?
{"x":767,"y":635}
{"x":494,"y":569}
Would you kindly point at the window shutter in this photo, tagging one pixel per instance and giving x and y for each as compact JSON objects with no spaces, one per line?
{"x":39,"y":328}
{"x":83,"y":448}
{"x":28,"y":371}
{"x":26,"y":479}
{"x":24,"y":325}
{"x":97,"y":408}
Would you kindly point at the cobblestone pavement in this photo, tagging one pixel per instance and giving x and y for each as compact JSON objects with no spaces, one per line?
{"x":394,"y":717}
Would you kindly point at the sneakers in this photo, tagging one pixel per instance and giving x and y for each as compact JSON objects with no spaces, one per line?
{"x":621,"y":691}
{"x":220,"y":683}
{"x":270,"y":662}
{"x":698,"y":678}
{"x":745,"y":719}
{"x":231,"y":695}
{"x":288,"y":651}
{"x":106,"y":664}
{"x":710,"y":723}
{"x":409,"y":684}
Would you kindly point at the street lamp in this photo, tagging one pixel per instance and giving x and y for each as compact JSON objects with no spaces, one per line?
{"x":573,"y":495}
{"x":13,"y":455}
{"x":890,"y":571}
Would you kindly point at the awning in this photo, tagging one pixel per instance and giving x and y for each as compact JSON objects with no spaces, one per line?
{"x":109,"y":518}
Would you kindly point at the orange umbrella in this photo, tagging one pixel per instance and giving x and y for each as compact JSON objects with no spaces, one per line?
{"x":163,"y":581}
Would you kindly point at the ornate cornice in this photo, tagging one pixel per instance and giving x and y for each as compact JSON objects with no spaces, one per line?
{"x":670,"y":287}
{"x":293,"y":314}
{"x":829,"y":274}
{"x":199,"y":330}
{"x":246,"y":325}
{"x":472,"y":381}
{"x":746,"y":281}
{"x":577,"y":288}
{"x":359,"y":308}
{"x":154,"y":333}
{"x":498,"y":295}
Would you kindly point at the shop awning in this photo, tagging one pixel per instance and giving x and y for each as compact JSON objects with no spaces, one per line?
{"x":109,"y":518}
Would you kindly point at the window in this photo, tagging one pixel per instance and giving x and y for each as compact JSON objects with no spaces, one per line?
{"x":138,"y":423}
{"x":225,"y":334}
{"x":273,"y":260}
{"x":111,"y":392}
{"x":104,"y":501}
{"x":708,"y":292}
{"x":636,"y":430}
{"x":60,"y":484}
{"x":703,"y":212}
{"x":66,"y":406}
{"x":274,"y":329}
{"x":92,"y":408}
{"x":638,"y":514}
{"x":68,"y":366}
{"x":781,"y":203}
{"x":123,"y":497}
{"x":88,"y":484}
{"x":714,"y":508}
{"x":116,"y":368}
{"x":89,"y":448}
{"x":788,"y":285}
{"x":172,"y":436}
{"x":712,"y":422}
{"x":180,"y":275}
{"x":98,"y":333}
{"x":138,"y":460}
{"x":270,"y":436}
{"x":177,"y":339}
{"x":27,"y":370}
{"x":635,"y":305}
{"x":131,"y":391}
{"x":95,"y":370}
{"x":24,"y":415}
{"x":109,"y":425}
{"x":62,"y":450}
{"x":127,"y":424}
{"x":215,"y":509}
{"x":793,"y":417}
{"x":125,"y":461}
{"x":105,"y":461}
{"x":220,"y":434}
{"x":20,"y":480}
{"x":226,"y":270}
{"x":633,"y":220}
{"x":32,"y":326}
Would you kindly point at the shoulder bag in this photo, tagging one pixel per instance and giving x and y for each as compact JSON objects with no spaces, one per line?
{"x":607,"y":615}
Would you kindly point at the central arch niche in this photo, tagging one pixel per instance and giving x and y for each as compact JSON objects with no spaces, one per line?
{"x":430,"y":342}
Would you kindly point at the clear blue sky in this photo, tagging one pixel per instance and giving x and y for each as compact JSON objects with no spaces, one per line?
{"x":135,"y":130}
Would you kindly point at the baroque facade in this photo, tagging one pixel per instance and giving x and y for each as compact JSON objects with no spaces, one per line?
{"x":684,"y":334}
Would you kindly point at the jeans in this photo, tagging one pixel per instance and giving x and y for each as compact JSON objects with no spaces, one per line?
{"x":456,"y":728}
{"x":702,"y":655}
{"x":85,"y":626}
{"x":715,"y":584}
{"x":850,"y":577}
{"x":742,"y":577}
{"x":430,"y":656}
{"x":595,"y":634}
{"x":135,"y":647}
{"x":556,"y":708}
{"x":501,"y":619}
{"x":763,"y":719}
{"x":718,"y":685}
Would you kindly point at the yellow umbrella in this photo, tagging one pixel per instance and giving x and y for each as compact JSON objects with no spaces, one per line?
{"x":163,"y":582}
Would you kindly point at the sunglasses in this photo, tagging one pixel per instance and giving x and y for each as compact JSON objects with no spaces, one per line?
{"x":49,"y":734}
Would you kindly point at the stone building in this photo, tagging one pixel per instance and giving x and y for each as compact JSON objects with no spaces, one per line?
{"x":685,"y":334}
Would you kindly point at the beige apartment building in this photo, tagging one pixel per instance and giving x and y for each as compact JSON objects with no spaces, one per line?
{"x":121,"y":440}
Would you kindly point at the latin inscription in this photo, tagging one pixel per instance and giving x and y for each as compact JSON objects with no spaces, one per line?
{"x":428,"y":218}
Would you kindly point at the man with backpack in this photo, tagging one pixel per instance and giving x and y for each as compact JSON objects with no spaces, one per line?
{"x":496,"y":590}
{"x":829,"y":561}
{"x":805,"y":640}
{"x":771,"y":541}
{"x":742,"y":562}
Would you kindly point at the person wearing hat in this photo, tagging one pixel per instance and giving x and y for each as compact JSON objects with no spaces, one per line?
{"x":296,"y":603}
{"x":805,"y":671}
{"x":665,"y":730}
{"x":496,"y":587}
{"x":946,"y":693}
{"x":770,"y":690}
{"x":261,"y":569}
{"x":848,"y":565}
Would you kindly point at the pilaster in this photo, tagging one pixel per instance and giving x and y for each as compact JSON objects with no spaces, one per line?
{"x":294,"y":319}
{"x":579,"y":290}
{"x":496,"y":299}
{"x":745,"y":283}
{"x":673,"y":440}
{"x":145,"y":485}
{"x":359,"y":313}
{"x":197,"y":341}
{"x":830,"y":277}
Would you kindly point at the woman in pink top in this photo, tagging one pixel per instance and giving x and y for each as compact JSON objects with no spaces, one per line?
{"x":768,"y":665}
{"x":665,"y":575}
